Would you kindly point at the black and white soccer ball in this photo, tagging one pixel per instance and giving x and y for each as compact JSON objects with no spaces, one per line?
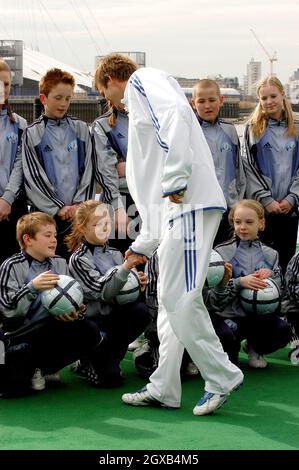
{"x":215,"y":270}
{"x":130,"y":291}
{"x":64,"y":298}
{"x":262,"y":301}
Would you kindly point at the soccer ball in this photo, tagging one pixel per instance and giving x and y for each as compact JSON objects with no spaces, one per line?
{"x":262,"y":301}
{"x":130,"y":291}
{"x":64,"y":298}
{"x":215,"y":271}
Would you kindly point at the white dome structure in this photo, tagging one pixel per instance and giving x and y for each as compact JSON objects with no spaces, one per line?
{"x":36,"y":64}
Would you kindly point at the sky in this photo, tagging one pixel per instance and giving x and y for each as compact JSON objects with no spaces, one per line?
{"x":187,"y":38}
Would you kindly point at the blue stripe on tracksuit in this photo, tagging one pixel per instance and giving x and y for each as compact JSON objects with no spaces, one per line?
{"x":189,"y":235}
{"x":135,"y":81}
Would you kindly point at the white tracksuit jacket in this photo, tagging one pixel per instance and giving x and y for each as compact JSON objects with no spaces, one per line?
{"x":167,"y":152}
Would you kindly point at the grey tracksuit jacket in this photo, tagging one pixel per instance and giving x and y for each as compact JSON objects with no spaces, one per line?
{"x":272,"y":164}
{"x":11,"y":174}
{"x":246,"y":257}
{"x":89,"y":264}
{"x":19,"y":300}
{"x":110,"y":147}
{"x":57,"y":162}
{"x":224,"y":144}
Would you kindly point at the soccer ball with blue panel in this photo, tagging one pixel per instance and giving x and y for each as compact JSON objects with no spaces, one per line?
{"x":64,"y":298}
{"x":262,"y":301}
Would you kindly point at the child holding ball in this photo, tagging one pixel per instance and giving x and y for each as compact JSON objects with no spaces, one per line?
{"x":49,"y":343}
{"x":250,"y":264}
{"x":92,"y":265}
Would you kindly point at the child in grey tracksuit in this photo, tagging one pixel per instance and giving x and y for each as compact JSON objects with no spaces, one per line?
{"x":252,"y":263}
{"x":57,"y":156}
{"x":12,"y":200}
{"x":42,"y":342}
{"x":224,"y":144}
{"x":271,"y":160}
{"x":102,"y":273}
{"x":110,"y":140}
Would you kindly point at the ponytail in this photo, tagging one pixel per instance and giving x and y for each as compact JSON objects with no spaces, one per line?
{"x":74,"y":239}
{"x":112,"y":118}
{"x":9,"y":112}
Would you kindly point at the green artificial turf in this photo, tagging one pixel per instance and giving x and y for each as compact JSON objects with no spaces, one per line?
{"x":263,"y":414}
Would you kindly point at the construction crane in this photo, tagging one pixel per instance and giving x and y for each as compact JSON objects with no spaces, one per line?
{"x":271,"y":59}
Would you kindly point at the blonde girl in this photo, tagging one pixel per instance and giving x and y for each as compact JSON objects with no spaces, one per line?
{"x":272,"y":166}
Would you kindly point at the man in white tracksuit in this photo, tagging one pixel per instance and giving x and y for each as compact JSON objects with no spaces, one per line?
{"x":171,"y":177}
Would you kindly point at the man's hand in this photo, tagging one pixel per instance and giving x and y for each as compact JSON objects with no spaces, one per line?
{"x":134,"y":259}
{"x":177,"y":198}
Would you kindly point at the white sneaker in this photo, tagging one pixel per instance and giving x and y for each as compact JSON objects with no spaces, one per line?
{"x":142,"y":398}
{"x":191,"y":369}
{"x":38,"y":381}
{"x":209,"y":403}
{"x":255,"y":360}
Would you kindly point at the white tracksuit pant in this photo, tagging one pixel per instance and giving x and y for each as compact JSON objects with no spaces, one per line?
{"x":183,"y":320}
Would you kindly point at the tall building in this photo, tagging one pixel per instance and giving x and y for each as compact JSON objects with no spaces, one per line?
{"x":293,"y":87}
{"x":254,"y":74}
{"x":12,"y":52}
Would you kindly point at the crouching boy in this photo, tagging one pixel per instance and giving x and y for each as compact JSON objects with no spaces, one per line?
{"x":42,"y":343}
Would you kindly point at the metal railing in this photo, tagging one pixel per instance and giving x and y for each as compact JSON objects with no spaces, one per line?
{"x":31,"y":108}
{"x":88,"y":109}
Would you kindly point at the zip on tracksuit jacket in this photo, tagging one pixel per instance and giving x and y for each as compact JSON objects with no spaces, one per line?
{"x":246,"y":257}
{"x":272,"y":164}
{"x":11,"y":175}
{"x":110,"y":147}
{"x":224,"y":144}
{"x":57,"y":162}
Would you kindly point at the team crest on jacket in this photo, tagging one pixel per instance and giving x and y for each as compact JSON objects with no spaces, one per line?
{"x":72,"y":146}
{"x":225,"y":147}
{"x":291,"y":145}
{"x":12,"y":137}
